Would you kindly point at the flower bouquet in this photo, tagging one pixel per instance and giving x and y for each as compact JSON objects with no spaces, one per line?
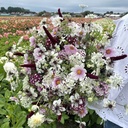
{"x":67,"y":66}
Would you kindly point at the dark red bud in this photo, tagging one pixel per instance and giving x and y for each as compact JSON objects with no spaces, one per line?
{"x":49,"y":35}
{"x":18,"y":54}
{"x":28,"y":65}
{"x":59,"y":12}
{"x":91,"y":76}
{"x":59,"y":118}
{"x":118,"y":57}
{"x":30,"y":114}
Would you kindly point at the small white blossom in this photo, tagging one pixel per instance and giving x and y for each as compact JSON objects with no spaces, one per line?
{"x":56,"y":21}
{"x":3,"y":59}
{"x":74,"y":98}
{"x":57,"y":107}
{"x":25,"y":101}
{"x":109,"y":103}
{"x":9,"y":54}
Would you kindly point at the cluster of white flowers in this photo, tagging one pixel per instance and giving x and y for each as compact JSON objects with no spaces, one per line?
{"x":12,"y":74}
{"x":91,"y":16}
{"x":56,"y":20}
{"x":77,"y":59}
{"x":115,"y":80}
{"x":87,"y":86}
{"x":97,"y":61}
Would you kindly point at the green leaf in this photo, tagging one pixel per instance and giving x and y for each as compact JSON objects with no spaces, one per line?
{"x":21,"y":120}
{"x":7,"y":94}
{"x":6,"y":120}
{"x":2,"y":76}
{"x":65,"y":116}
{"x":5,"y":125}
{"x":91,"y":112}
{"x":62,"y":120}
{"x":86,"y":118}
{"x":99,"y":120}
{"x":1,"y":103}
{"x":3,"y":112}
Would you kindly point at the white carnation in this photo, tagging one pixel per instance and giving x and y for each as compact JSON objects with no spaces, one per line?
{"x":36,"y":120}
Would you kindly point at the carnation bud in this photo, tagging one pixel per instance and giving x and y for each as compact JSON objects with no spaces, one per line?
{"x":90,"y":99}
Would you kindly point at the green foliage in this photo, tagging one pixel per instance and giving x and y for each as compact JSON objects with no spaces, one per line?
{"x":11,"y":115}
{"x":7,"y":47}
{"x":93,"y":120}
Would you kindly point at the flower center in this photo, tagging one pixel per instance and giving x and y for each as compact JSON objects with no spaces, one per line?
{"x":110,"y":106}
{"x":36,"y":121}
{"x":57,"y":82}
{"x":54,"y":32}
{"x":81,"y":111}
{"x":108,"y":51}
{"x":81,"y":33}
{"x":79,"y":72}
{"x":71,"y":47}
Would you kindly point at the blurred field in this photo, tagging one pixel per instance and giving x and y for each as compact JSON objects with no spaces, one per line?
{"x":12,"y":28}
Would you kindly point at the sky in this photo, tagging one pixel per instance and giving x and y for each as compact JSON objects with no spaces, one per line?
{"x":98,"y":6}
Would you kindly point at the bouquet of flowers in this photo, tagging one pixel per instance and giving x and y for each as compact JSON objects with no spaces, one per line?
{"x":67,"y":66}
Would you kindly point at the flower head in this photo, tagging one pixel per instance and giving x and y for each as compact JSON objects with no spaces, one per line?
{"x":57,"y":107}
{"x":35,"y":78}
{"x":109,"y":103}
{"x":10,"y":67}
{"x":56,"y":81}
{"x":38,"y":54}
{"x":56,"y":20}
{"x":78,"y":72}
{"x":70,"y":49}
{"x":82,"y":112}
{"x":36,"y":120}
{"x":32,"y":41}
{"x":102,"y":90}
{"x":109,"y":52}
